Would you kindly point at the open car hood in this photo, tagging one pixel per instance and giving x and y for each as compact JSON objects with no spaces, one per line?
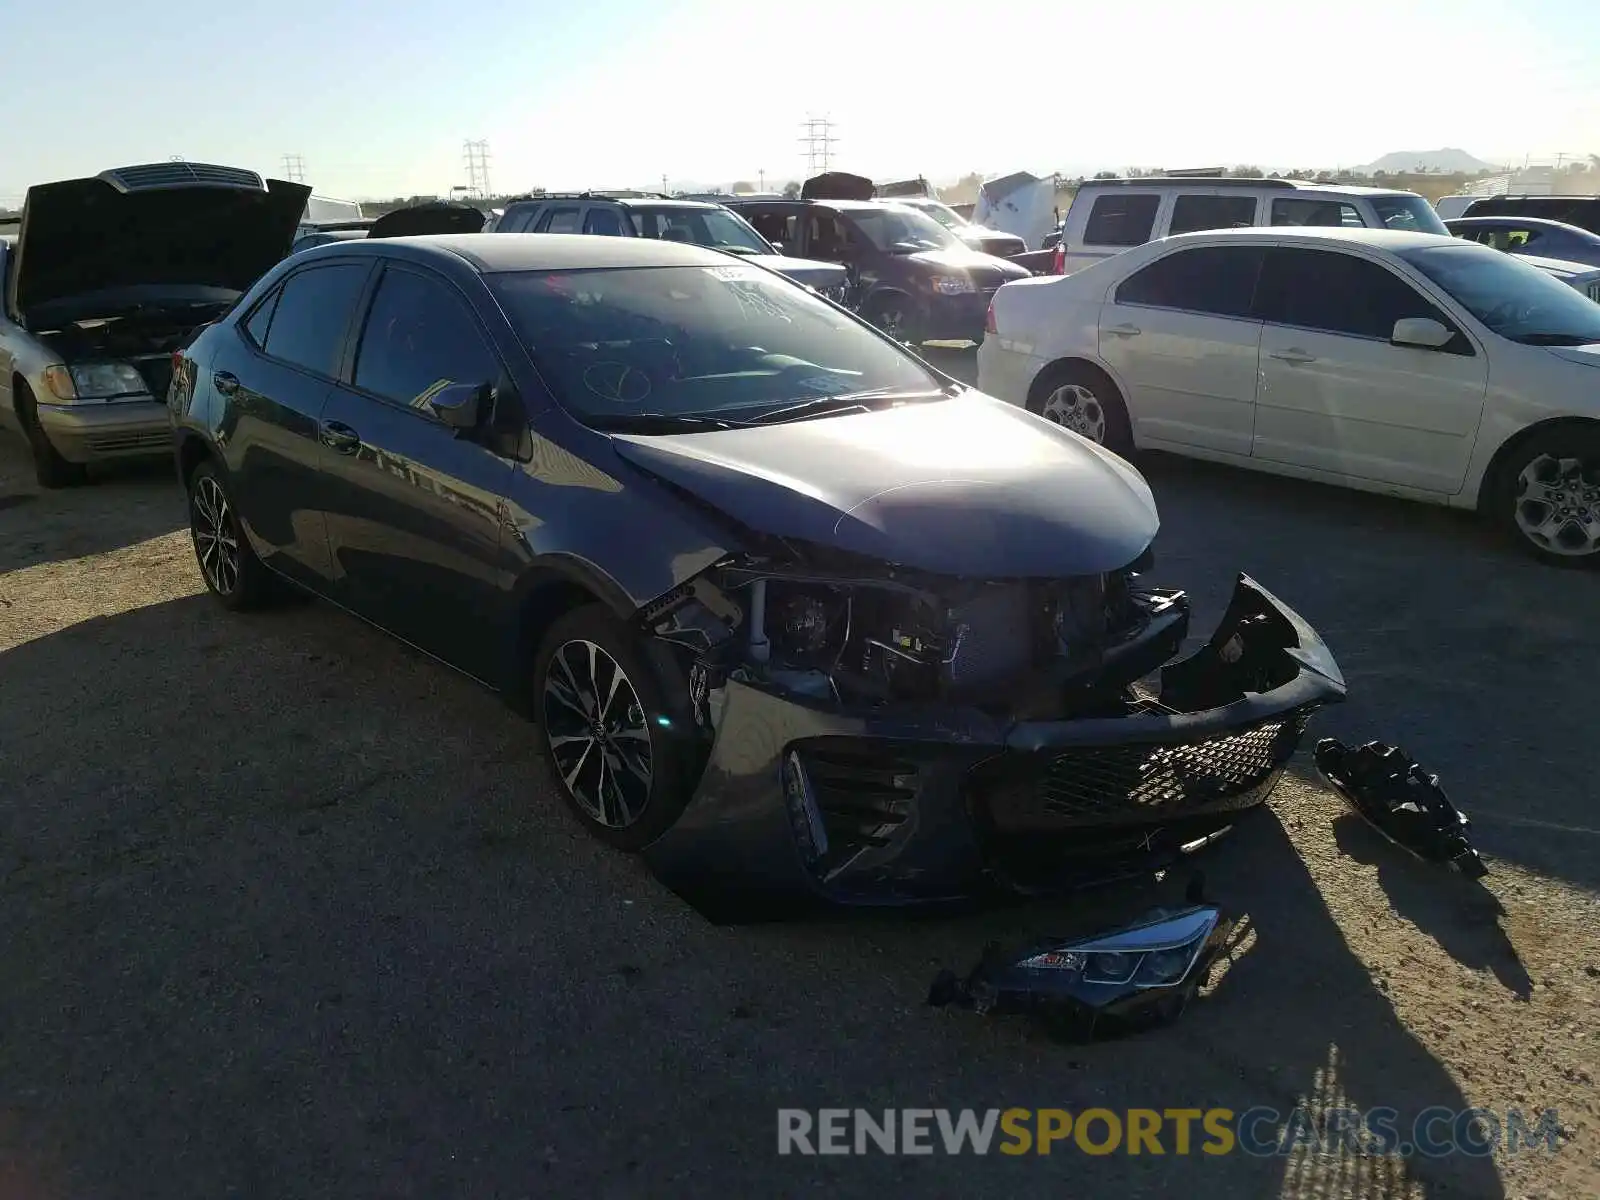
{"x":443,"y":216}
{"x":969,"y":486}
{"x":837,"y":185}
{"x":160,"y":224}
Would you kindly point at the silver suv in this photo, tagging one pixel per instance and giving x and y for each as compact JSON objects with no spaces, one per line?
{"x":651,"y":215}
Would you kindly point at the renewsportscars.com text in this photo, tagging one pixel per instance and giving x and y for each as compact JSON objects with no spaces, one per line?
{"x":1261,"y":1132}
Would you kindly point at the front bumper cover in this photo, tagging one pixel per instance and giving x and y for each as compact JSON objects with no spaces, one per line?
{"x":803,"y":805}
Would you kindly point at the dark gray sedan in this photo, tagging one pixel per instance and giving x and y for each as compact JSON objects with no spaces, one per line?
{"x":1530,"y":236}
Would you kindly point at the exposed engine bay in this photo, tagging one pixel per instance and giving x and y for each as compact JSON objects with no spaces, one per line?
{"x":822,"y":625}
{"x":145,"y":339}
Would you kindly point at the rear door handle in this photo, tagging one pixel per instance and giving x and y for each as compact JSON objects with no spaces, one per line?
{"x":338,"y":436}
{"x":1293,"y":355}
{"x":1124,"y":331}
{"x":225,"y":382}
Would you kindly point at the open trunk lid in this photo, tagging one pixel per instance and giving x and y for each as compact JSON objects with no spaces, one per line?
{"x":440,"y":216}
{"x":837,"y":185}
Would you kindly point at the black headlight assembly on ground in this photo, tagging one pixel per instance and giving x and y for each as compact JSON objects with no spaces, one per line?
{"x":1125,"y":979}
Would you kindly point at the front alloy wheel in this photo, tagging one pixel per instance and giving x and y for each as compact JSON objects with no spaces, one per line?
{"x":1556,"y":505}
{"x":597,"y":736}
{"x":1074,"y":406}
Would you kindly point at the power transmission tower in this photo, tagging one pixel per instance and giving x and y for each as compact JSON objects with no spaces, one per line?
{"x":818,"y":142}
{"x":294,"y":168}
{"x":477,"y":155}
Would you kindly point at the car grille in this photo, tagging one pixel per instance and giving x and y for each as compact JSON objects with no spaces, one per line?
{"x":153,"y":176}
{"x":1138,"y":784}
{"x":128,"y":442}
{"x":863,"y":792}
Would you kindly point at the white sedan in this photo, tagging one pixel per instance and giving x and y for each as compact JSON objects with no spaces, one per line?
{"x":1404,"y":363}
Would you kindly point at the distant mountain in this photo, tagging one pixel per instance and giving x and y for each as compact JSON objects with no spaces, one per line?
{"x":1448,"y":161}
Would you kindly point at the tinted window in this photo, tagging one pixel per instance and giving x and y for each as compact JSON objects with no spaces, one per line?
{"x":1338,"y":293}
{"x":623,"y":345}
{"x":516,"y":221}
{"x":774,"y":226}
{"x":1411,"y":214}
{"x":558,"y":220}
{"x":714,"y":227}
{"x":1319,"y":213}
{"x":1515,"y":300}
{"x":1211,"y":279}
{"x":603,"y":221}
{"x":256,"y":326}
{"x":420,"y":337}
{"x":313,"y":313}
{"x":1190,"y":214}
{"x":1121,"y":220}
{"x":891,"y":227}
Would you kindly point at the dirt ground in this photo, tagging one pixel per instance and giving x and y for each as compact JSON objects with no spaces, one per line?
{"x":285,"y":910}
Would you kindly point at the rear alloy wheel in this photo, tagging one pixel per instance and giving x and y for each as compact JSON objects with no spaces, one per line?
{"x":1554,"y":501}
{"x":233,"y":573}
{"x":611,"y":749}
{"x":1079,"y":398}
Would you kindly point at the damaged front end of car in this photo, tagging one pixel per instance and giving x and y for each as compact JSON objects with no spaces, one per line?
{"x":882,"y":736}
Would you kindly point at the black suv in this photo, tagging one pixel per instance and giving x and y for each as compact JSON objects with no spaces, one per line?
{"x":909,"y":275}
{"x":1582,"y":211}
{"x":651,"y":215}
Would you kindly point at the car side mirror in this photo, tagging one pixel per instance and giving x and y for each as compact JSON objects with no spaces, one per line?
{"x":459,"y":405}
{"x":1423,"y":333}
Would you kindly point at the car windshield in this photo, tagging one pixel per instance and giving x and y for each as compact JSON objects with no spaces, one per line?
{"x":942,"y":213}
{"x":714,"y":227}
{"x":638,"y":347}
{"x":1514,"y":299}
{"x":899,"y":228}
{"x":1412,"y":214}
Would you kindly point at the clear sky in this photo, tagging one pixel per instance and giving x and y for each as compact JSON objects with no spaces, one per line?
{"x":379,"y":97}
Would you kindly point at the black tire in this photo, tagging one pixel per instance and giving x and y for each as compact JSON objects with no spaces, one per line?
{"x":49,"y":468}
{"x":1551,"y":480}
{"x":230,"y":568}
{"x":894,"y":314}
{"x":1099,"y":402}
{"x":636,"y":810}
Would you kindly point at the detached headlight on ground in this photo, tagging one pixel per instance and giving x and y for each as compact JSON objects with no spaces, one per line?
{"x":94,"y":381}
{"x":952,"y":285}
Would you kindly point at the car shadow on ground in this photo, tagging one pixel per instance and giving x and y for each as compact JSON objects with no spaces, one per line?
{"x":288,"y":902}
{"x":41,"y":526}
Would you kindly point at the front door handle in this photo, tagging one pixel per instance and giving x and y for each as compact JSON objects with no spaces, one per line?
{"x":338,"y":436}
{"x":225,"y":382}
{"x":1293,"y":355}
{"x":1124,"y":331}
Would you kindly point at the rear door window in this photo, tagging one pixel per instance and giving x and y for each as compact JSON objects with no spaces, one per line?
{"x":313,"y":315}
{"x":558,"y":219}
{"x":1332,"y":292}
{"x":1192,"y":213}
{"x":1119,"y":219}
{"x":256,"y":325}
{"x":1316,"y":213}
{"x":603,"y":221}
{"x":1215,"y":280}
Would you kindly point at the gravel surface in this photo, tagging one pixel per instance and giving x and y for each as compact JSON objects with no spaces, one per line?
{"x":285,"y":910}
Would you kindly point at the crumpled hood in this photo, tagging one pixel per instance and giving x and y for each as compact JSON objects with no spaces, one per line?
{"x":802,"y":270}
{"x":160,"y":224}
{"x":964,"y":261}
{"x":969,"y":486}
{"x":1587,"y":356}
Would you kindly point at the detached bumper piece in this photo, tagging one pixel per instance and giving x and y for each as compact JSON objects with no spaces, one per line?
{"x":805,"y":804}
{"x":1401,"y":801}
{"x":1124,"y":980}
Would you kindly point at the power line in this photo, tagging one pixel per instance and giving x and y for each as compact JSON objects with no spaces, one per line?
{"x":294,"y":168}
{"x":818,"y":142}
{"x":477,"y":159}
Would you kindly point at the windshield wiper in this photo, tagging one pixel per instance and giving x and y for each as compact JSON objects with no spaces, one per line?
{"x":654,"y":422}
{"x":1555,"y":339}
{"x":730,"y":248}
{"x":827,"y":406}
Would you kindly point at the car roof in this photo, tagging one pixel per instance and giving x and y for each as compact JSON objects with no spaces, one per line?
{"x":1235,"y":183}
{"x":626,"y":201}
{"x":1393,"y":240}
{"x":492,"y":253}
